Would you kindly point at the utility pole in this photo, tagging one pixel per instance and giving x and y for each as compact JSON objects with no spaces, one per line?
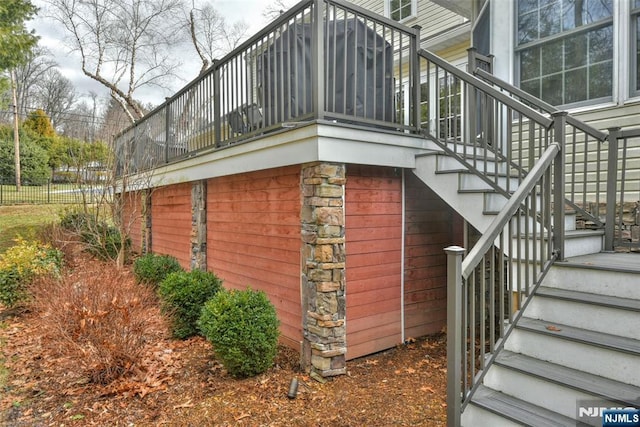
{"x":16,"y":136}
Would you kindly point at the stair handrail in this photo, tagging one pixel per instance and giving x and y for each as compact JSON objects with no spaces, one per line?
{"x":539,"y":103}
{"x":513,"y":204}
{"x":545,"y":123}
{"x":572,"y":121}
{"x":468,"y":78}
{"x":458,"y":279}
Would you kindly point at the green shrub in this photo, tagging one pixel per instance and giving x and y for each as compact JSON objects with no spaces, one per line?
{"x":104,"y":242}
{"x":242,"y":326}
{"x":101,"y":239}
{"x":183,"y":294}
{"x":34,"y":159}
{"x":76,"y":221}
{"x":13,"y":287}
{"x":152,"y":269}
{"x":20,"y":264}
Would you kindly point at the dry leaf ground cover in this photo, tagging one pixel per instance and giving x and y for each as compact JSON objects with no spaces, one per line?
{"x":179,"y":383}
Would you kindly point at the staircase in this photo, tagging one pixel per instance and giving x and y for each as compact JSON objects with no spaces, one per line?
{"x":577,"y":344}
{"x":579,"y":338}
{"x":578,"y":341}
{"x":478,"y":203}
{"x":543,"y":326}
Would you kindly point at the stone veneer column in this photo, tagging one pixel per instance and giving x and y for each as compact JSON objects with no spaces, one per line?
{"x":199,"y":225}
{"x":323,"y":269}
{"x":145,"y":200}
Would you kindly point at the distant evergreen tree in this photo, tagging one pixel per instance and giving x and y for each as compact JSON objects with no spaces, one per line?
{"x":39,"y":122}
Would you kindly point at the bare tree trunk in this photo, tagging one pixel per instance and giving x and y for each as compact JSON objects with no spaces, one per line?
{"x":16,"y":135}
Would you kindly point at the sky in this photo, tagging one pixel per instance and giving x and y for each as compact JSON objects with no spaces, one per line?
{"x":51,"y":37}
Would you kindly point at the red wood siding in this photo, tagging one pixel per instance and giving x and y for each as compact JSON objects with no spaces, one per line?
{"x":132,"y":216}
{"x":373,"y":209}
{"x":430,"y":226}
{"x":253,"y":227}
{"x":171,"y":222}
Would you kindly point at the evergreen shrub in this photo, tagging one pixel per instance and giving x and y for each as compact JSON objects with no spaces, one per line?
{"x":242,"y":326}
{"x":183,"y":294}
{"x":151,"y":269}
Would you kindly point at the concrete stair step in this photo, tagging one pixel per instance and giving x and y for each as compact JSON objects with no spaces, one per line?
{"x":610,"y":356}
{"x":588,"y":298}
{"x":596,"y":386}
{"x":468,"y":181}
{"x":596,"y":312}
{"x":513,"y":410}
{"x":611,"y":274}
{"x":445,"y":186}
{"x":447,"y":162}
{"x":599,"y":339}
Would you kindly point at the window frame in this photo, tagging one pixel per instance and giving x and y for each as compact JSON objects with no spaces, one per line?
{"x":560,"y":37}
{"x":634,"y":51}
{"x":445,"y":116}
{"x":413,"y":15}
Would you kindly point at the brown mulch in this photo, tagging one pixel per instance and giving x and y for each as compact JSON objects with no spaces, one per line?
{"x":179,"y":383}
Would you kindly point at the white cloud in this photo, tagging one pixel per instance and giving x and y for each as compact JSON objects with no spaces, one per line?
{"x":52,"y":37}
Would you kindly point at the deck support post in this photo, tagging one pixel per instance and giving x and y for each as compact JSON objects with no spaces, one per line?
{"x":324,"y":345}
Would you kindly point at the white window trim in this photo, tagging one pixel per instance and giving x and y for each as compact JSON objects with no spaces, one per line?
{"x":414,"y":11}
{"x":629,"y":44}
{"x":620,"y":71}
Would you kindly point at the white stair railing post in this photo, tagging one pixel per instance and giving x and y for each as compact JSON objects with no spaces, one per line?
{"x":454,"y":335}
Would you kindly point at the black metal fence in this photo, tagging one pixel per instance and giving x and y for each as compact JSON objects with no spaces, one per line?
{"x":53,"y":193}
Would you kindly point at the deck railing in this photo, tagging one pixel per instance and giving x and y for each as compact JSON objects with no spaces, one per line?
{"x":322,"y":59}
{"x":602,"y":184}
{"x":488,"y":290}
{"x":520,"y":153}
{"x":586,"y":163}
{"x":622,"y":225}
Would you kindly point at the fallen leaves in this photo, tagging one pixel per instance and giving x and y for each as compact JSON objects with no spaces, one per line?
{"x":187,"y":404}
{"x":180,"y":383}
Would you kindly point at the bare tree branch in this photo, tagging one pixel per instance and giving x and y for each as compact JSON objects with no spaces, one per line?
{"x":211,"y":35}
{"x":119,"y":43}
{"x":276,"y":8}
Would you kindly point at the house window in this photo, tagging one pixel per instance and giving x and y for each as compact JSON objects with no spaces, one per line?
{"x":400,"y":10}
{"x":635,"y":51}
{"x":565,"y":49}
{"x":449,"y":100}
{"x":442,"y":117}
{"x":401,"y":116}
{"x":424,"y":105}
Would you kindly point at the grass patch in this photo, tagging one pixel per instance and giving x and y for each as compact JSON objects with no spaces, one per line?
{"x":24,"y":220}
